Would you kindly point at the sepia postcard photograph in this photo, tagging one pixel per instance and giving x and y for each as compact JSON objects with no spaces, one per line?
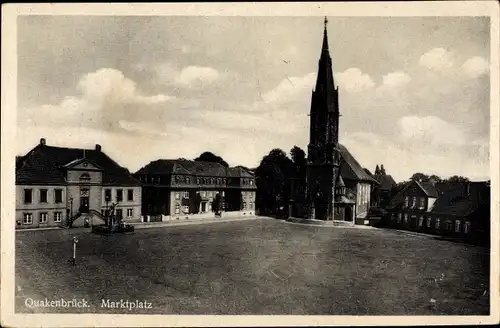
{"x":250,"y":164}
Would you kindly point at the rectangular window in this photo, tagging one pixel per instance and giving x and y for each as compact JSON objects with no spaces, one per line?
{"x":177,"y":195}
{"x":28,"y":196}
{"x":27,"y":218}
{"x":43,"y":217}
{"x":186,"y":195}
{"x":185,"y":209}
{"x":203,"y":194}
{"x":467,"y":227}
{"x":399,"y":217}
{"x":438,"y":223}
{"x":119,"y":195}
{"x":421,"y":221}
{"x":58,"y":196}
{"x":177,"y":209}
{"x":406,"y":201}
{"x":130,"y":195}
{"x":406,"y":218}
{"x":422,"y":202}
{"x":130,"y":212}
{"x":107,"y":195}
{"x":57,"y":217}
{"x":414,"y":201}
{"x":457,"y":225}
{"x":43,"y":196}
{"x":119,"y":213}
{"x":428,"y":222}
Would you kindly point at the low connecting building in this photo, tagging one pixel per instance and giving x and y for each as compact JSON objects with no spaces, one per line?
{"x":454,"y":209}
{"x":55,"y":185}
{"x":180,"y":188}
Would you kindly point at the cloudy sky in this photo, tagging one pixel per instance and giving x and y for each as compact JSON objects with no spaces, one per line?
{"x":414,"y":92}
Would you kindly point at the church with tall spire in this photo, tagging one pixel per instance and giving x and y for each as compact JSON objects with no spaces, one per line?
{"x":337,"y":187}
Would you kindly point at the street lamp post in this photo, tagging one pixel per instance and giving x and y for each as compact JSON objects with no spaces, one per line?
{"x":75,"y":241}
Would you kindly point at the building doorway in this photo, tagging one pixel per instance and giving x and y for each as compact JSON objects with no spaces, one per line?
{"x":348,"y":214}
{"x":84,"y":204}
{"x":203,"y":207}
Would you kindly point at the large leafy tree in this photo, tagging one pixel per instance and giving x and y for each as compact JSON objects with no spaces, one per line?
{"x":457,"y":178}
{"x":211,"y":157}
{"x":299,"y":160}
{"x":273,"y":181}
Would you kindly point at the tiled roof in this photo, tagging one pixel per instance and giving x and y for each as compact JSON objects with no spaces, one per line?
{"x":197,"y":168}
{"x":428,"y":187}
{"x":397,"y":200}
{"x":44,"y":165}
{"x":386,"y":181}
{"x":453,"y":198}
{"x":350,"y":168}
{"x":460,"y":198}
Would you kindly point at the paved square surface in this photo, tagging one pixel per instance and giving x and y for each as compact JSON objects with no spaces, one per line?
{"x":260,"y":266}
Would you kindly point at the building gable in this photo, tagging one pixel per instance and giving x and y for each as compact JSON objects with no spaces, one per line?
{"x":82,"y":164}
{"x":45,"y":165}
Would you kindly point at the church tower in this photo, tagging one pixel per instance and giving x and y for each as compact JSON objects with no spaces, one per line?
{"x":322,"y":151}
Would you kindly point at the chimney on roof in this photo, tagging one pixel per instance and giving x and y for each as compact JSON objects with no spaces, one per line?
{"x":98,"y":147}
{"x":42,"y":141}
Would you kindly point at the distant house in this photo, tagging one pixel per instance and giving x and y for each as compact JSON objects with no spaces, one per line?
{"x":382,"y":193}
{"x":358,"y":185}
{"x":455,"y":209}
{"x":180,"y":187}
{"x":55,"y":185}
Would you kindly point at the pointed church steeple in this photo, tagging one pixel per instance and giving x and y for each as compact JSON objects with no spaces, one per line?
{"x":323,"y":157}
{"x":325,"y":73}
{"x":324,"y":48}
{"x":324,"y":114}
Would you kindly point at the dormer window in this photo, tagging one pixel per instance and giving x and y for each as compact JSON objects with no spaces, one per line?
{"x":85,"y":177}
{"x":422,"y":202}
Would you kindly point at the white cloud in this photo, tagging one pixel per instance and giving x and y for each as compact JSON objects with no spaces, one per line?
{"x":437,"y":59}
{"x":353,"y":80}
{"x":197,"y":74}
{"x":107,"y":84}
{"x":104,"y":95}
{"x":476,"y":66}
{"x":402,"y":160}
{"x":398,"y":78}
{"x":290,"y":87}
{"x":430,"y":131}
{"x":191,"y":76}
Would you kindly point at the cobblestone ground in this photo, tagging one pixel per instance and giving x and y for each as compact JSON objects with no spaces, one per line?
{"x":260,"y":266}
